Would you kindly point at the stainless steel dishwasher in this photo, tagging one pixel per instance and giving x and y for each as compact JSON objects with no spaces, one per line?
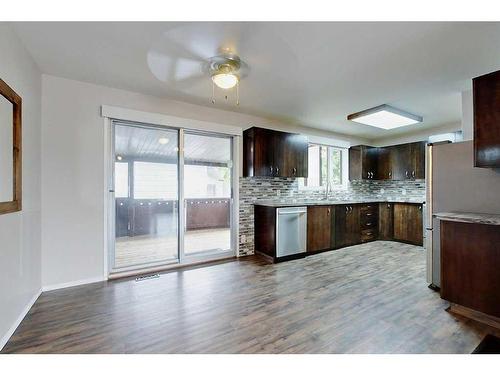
{"x":291,"y":231}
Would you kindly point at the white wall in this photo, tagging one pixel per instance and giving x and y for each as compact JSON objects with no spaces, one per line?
{"x":20,"y":279}
{"x":467,"y":116}
{"x":417,"y":136}
{"x":73,"y":169}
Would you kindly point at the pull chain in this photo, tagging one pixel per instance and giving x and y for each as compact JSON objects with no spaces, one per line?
{"x":213,"y":92}
{"x":238,"y":93}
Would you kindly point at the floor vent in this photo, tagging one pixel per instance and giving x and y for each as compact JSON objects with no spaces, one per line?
{"x":147,"y":277}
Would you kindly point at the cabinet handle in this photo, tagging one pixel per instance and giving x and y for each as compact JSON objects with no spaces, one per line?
{"x":294,"y":171}
{"x":420,"y":208}
{"x":406,"y":174}
{"x":390,"y":174}
{"x":368,"y":223}
{"x":271,"y":168}
{"x":328,"y":211}
{"x":277,"y":170}
{"x":368,"y":214}
{"x":413,"y":174}
{"x":350,"y":208}
{"x":346,"y":209}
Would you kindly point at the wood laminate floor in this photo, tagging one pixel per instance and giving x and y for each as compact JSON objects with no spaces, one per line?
{"x":370,"y":298}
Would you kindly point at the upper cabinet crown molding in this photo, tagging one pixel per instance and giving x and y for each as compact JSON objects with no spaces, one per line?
{"x":486,"y":97}
{"x":271,"y":153}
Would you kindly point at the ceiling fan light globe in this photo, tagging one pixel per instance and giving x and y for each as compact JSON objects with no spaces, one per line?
{"x":225,"y":81}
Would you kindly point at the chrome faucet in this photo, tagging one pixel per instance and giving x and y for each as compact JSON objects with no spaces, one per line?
{"x":327,"y":190}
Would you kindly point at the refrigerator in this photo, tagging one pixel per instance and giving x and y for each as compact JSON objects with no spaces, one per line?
{"x":454,"y":184}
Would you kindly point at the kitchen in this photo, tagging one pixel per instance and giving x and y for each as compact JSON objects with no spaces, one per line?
{"x":352,"y":211}
{"x":382,"y":212}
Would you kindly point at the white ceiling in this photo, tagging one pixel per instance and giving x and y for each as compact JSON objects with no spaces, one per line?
{"x":313,"y":74}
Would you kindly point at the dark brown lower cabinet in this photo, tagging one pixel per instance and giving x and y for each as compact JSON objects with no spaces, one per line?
{"x":336,"y":226}
{"x":347,"y":225}
{"x":385,"y":221}
{"x":319,"y":228}
{"x":470,"y":264}
{"x":408,"y":223}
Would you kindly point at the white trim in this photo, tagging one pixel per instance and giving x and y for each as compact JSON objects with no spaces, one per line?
{"x":108,"y":184}
{"x":324,"y":141}
{"x":48,"y":288}
{"x":125,"y":114}
{"x":19,"y":319}
{"x":237,"y":167}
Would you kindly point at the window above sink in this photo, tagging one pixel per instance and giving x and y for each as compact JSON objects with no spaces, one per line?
{"x":326,"y":164}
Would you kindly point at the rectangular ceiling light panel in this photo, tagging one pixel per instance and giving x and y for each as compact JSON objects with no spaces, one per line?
{"x":385,"y":117}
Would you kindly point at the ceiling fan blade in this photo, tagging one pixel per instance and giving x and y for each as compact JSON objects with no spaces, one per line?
{"x":208,"y":39}
{"x":172,"y":69}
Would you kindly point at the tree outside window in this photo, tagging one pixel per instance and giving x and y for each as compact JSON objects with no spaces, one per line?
{"x":324,"y":164}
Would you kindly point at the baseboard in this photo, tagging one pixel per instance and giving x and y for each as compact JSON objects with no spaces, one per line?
{"x":18,"y":321}
{"x":478,"y":316}
{"x":48,"y":288}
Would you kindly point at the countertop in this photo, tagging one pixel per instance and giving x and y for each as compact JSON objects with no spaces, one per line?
{"x":469,"y":217}
{"x":298,"y":202}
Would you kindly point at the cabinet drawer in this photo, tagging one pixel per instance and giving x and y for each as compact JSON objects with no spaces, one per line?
{"x":368,"y":235}
{"x":369,"y":216}
{"x":369,"y":224}
{"x":369,"y":208}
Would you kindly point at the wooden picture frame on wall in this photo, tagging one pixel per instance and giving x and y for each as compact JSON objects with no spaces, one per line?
{"x":16,"y":203}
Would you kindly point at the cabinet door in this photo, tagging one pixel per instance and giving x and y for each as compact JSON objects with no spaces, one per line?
{"x":386,"y":228}
{"x":384,"y":164}
{"x":341,"y":235}
{"x":347,"y":226}
{"x":353,"y":225}
{"x":295,"y":156}
{"x":363,"y":163}
{"x":401,"y":162}
{"x":278,"y":141}
{"x":408,"y":225}
{"x":486,"y":91}
{"x":318,"y":228}
{"x":263,"y":153}
{"x":369,"y":162}
{"x":417,"y":156}
{"x":355,"y":163}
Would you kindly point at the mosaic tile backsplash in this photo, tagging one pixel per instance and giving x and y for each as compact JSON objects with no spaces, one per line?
{"x":253,"y":189}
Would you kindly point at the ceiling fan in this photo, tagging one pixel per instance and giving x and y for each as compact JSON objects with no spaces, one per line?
{"x":188,"y":59}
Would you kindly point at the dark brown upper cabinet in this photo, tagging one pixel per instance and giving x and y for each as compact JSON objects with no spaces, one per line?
{"x":486,"y":96}
{"x":384,"y":164}
{"x":10,"y":150}
{"x":400,"y":162}
{"x":363,"y":163}
{"x":273,"y":153}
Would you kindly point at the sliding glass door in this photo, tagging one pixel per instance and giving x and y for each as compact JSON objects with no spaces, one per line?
{"x":146,"y":199}
{"x":171,"y":197}
{"x":207,"y":194}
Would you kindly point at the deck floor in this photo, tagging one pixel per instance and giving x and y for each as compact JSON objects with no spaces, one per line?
{"x":370,"y":298}
{"x":138,"y":250}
